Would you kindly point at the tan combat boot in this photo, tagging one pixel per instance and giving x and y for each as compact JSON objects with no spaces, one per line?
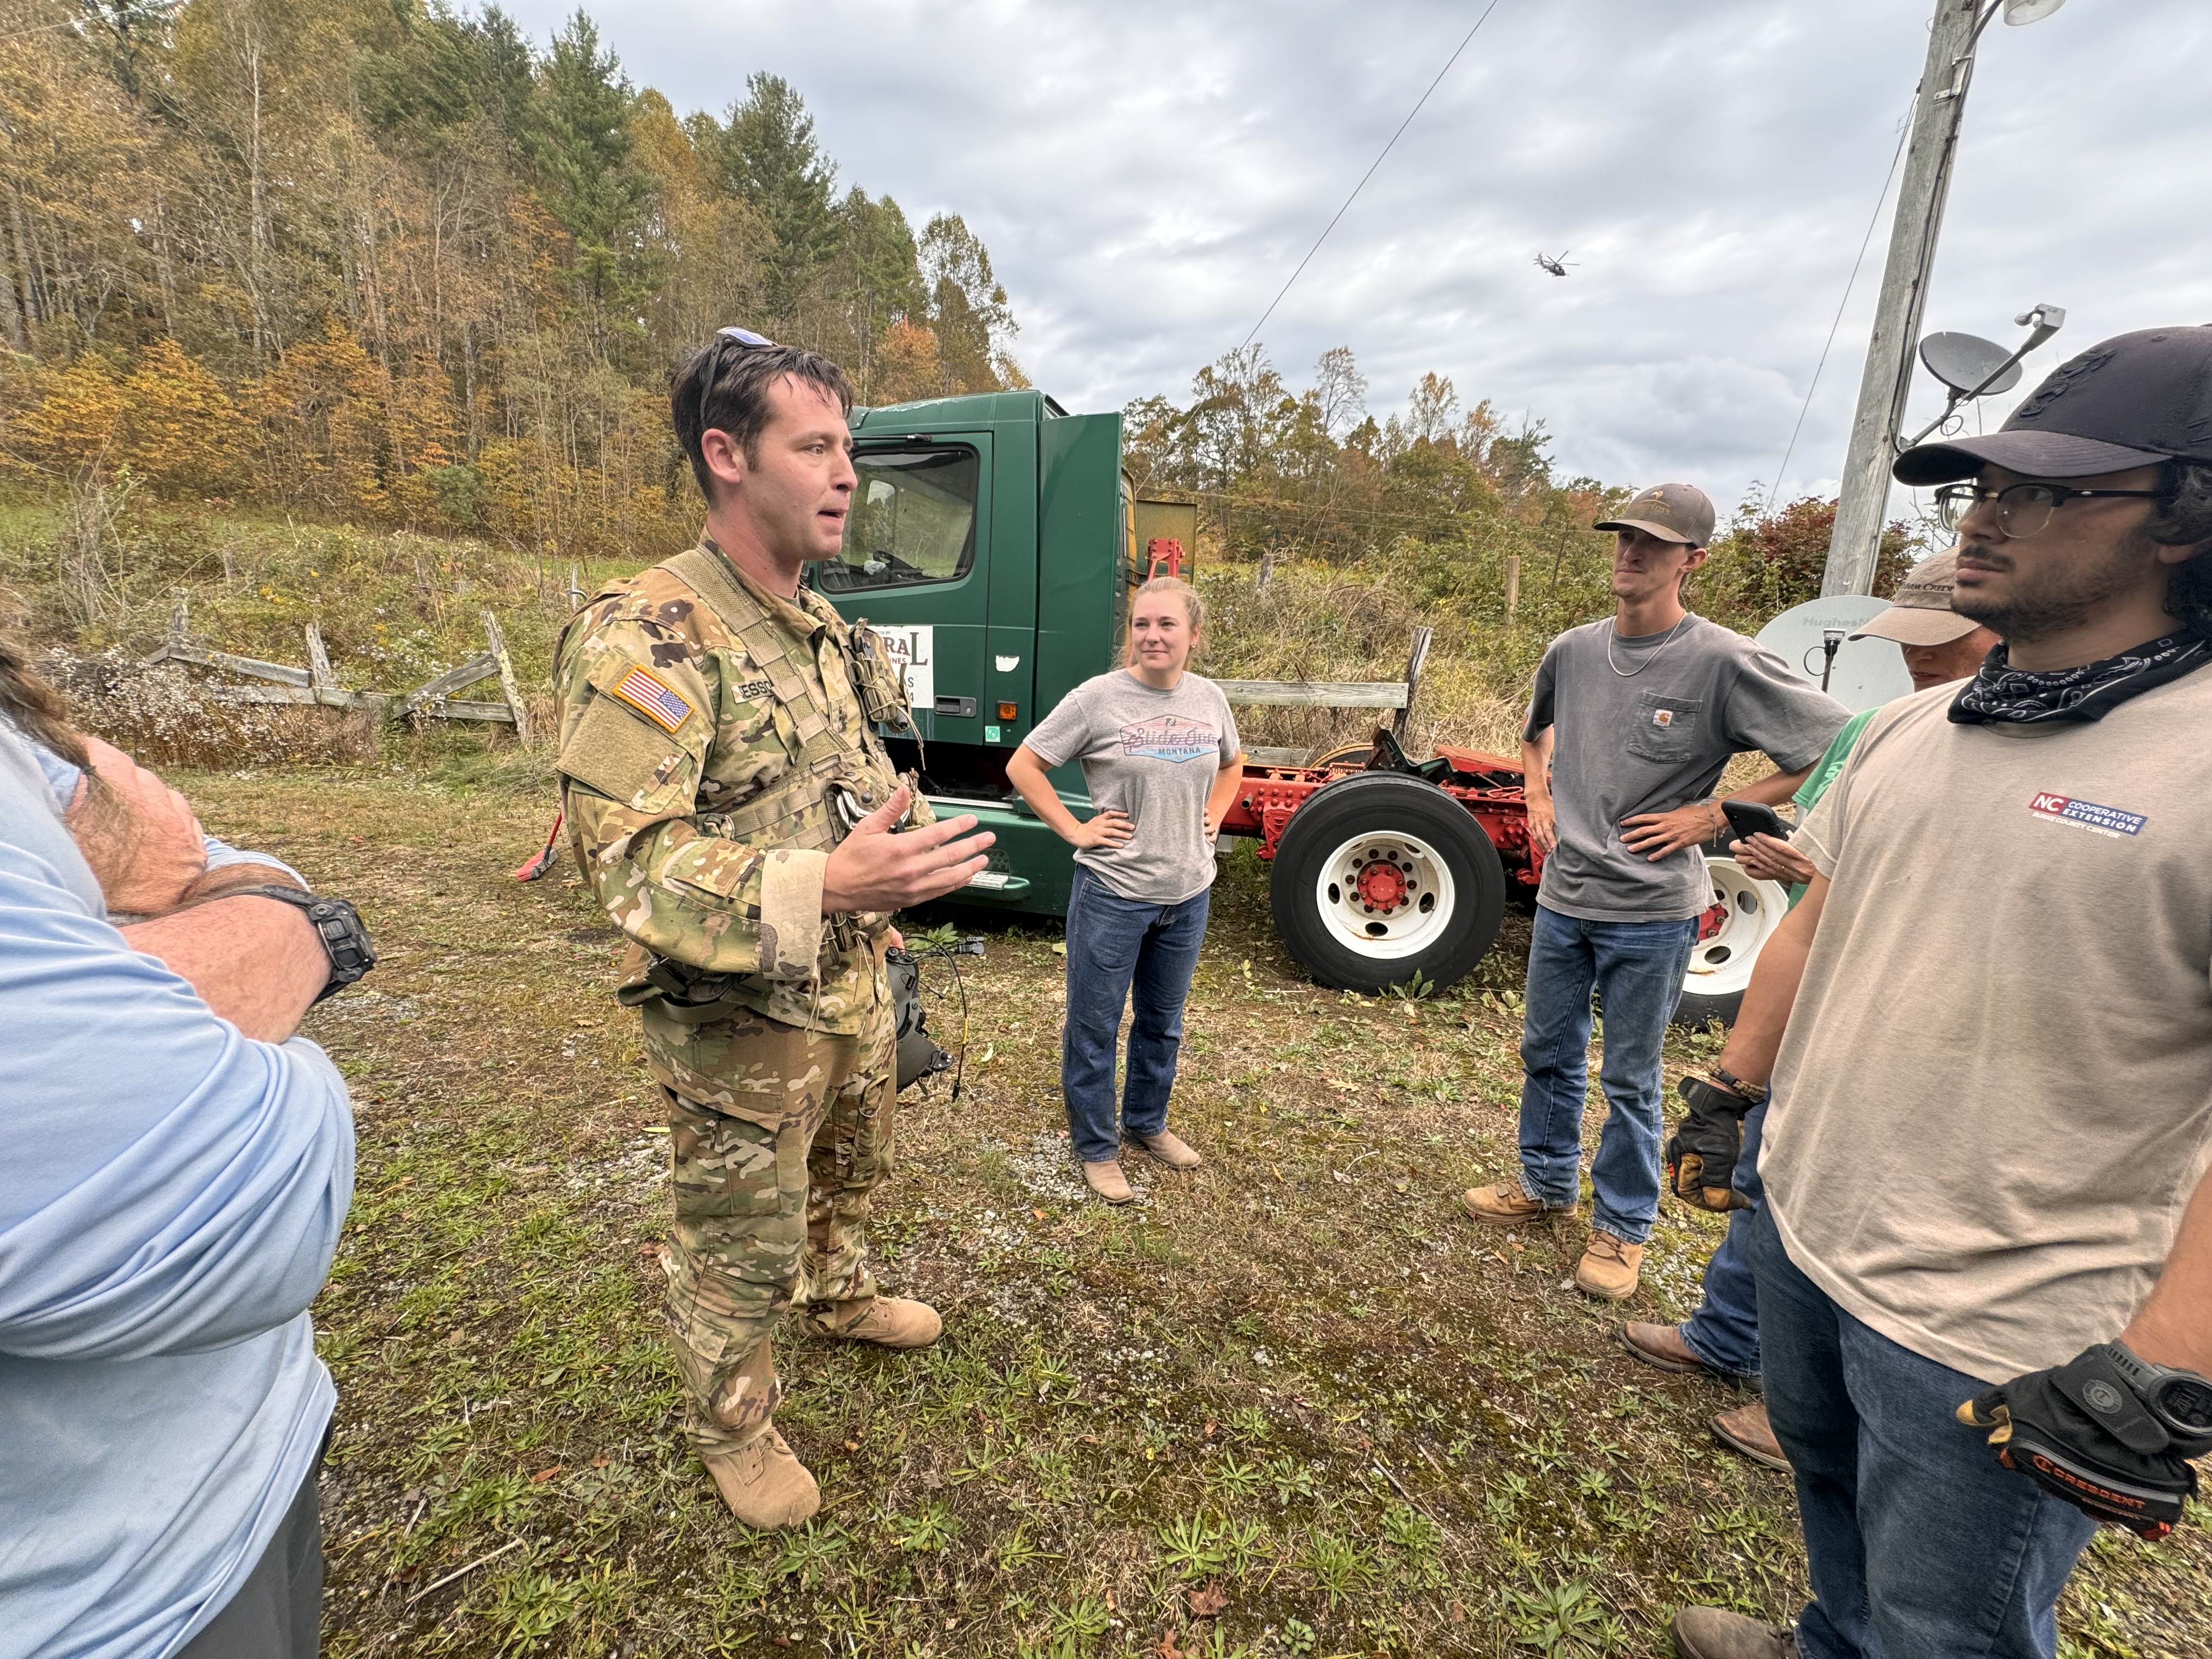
{"x":764,"y":1484}
{"x":1506,"y":1205}
{"x":1609,"y":1267}
{"x":1105,"y":1178}
{"x":1169,"y":1149}
{"x":893,"y":1321}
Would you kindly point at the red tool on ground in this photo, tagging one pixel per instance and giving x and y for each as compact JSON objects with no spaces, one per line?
{"x":545,"y":857}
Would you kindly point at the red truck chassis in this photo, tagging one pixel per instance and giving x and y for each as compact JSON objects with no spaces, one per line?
{"x":1488,"y":785}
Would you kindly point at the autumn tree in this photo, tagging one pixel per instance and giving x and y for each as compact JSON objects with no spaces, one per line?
{"x":383,"y":259}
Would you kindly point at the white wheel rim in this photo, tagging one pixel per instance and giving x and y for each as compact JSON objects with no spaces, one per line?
{"x":1745,"y":912}
{"x":1385,"y":896}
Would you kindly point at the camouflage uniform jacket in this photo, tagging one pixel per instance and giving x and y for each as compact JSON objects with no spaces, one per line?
{"x":705,"y":726}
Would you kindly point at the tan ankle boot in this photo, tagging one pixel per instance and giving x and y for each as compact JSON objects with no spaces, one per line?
{"x":1105,"y":1178}
{"x":1715,"y":1633}
{"x":1505,"y":1206}
{"x":1746,"y":1430}
{"x":1610,"y":1268}
{"x":895,"y":1322}
{"x":1170,"y":1149}
{"x":764,"y":1484}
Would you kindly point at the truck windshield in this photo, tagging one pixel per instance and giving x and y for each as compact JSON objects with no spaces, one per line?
{"x":913,"y":521}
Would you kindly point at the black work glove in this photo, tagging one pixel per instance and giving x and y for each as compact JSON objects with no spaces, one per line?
{"x":1701,"y":1153}
{"x":2108,"y":1432}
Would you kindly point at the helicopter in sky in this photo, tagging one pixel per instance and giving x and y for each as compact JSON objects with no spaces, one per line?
{"x":1558,"y":267}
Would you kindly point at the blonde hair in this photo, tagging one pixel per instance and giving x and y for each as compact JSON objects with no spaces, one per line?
{"x":1194,"y":605}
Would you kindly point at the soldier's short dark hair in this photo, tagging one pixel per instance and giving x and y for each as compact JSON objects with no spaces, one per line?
{"x":738,"y":402}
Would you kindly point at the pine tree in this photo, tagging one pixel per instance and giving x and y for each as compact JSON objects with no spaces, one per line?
{"x":771,"y":160}
{"x":578,"y":136}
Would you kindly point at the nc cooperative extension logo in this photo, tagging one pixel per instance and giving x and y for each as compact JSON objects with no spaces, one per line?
{"x":2087,"y":815}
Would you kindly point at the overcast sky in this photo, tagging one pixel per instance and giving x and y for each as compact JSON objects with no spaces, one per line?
{"x":1146,"y":174}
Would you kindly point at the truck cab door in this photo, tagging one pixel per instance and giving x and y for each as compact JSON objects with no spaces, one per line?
{"x":916,"y":564}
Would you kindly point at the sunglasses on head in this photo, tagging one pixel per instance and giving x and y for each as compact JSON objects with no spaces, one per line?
{"x":745,"y":340}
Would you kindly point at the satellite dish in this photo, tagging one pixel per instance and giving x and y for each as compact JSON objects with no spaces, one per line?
{"x":1963,"y":361}
{"x":2020,"y":12}
{"x":1865,"y":674}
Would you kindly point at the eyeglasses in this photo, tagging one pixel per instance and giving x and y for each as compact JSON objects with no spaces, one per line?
{"x":745,"y":340}
{"x":2022,"y":509}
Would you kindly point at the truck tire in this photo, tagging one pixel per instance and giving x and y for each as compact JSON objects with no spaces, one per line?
{"x":1729,"y":937}
{"x":1380,"y":877}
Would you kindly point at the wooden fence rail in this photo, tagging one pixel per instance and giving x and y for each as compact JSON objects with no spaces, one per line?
{"x":316,"y":684}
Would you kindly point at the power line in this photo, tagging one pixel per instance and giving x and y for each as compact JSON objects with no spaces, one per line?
{"x":1369,"y":173}
{"x":1865,"y":242}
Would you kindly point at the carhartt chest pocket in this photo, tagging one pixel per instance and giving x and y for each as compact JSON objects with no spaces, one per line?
{"x":1664,"y":729}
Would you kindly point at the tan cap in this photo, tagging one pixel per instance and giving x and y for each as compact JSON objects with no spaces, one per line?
{"x":1920,"y":610}
{"x":1672,"y":512}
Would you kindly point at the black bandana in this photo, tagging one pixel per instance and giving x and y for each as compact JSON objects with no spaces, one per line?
{"x":1999,"y":696}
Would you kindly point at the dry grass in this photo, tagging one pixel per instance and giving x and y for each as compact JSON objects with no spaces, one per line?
{"x":1318,"y":622}
{"x":1297,"y":1376}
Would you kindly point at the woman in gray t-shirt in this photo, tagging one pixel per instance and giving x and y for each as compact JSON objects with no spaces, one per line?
{"x":1143,"y":870}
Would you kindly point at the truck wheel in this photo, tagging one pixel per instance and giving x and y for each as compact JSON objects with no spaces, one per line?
{"x":1745,"y":912}
{"x":1380,"y":877}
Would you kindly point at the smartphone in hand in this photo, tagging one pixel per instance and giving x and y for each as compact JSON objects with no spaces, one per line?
{"x":1748,"y":819}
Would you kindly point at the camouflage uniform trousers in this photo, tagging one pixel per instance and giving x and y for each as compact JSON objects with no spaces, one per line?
{"x":773,"y":1191}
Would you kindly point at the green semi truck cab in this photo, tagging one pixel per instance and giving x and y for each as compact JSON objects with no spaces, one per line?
{"x":991,"y":541}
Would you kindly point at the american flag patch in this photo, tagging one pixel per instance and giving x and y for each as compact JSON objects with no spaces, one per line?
{"x":642,"y":691}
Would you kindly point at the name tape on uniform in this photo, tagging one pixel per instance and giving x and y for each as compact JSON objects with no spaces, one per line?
{"x":645,"y":691}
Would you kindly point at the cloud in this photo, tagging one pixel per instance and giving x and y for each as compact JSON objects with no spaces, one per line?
{"x":1147,"y":175}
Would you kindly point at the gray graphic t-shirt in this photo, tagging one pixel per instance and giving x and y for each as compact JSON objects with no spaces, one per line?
{"x":1154,"y":755}
{"x":1650,"y":728}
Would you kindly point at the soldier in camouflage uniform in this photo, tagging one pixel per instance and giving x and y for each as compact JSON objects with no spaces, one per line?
{"x":735,"y":811}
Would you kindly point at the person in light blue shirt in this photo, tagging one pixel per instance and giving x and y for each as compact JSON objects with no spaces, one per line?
{"x":169,"y":1204}
{"x":66,"y":783}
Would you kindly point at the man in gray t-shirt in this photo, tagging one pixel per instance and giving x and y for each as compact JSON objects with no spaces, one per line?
{"x":1633,"y":721}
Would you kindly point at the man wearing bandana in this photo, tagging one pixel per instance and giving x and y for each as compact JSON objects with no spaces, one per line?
{"x":1984,"y":1262}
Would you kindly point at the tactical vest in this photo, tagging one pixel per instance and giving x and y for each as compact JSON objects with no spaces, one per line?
{"x":832,"y":780}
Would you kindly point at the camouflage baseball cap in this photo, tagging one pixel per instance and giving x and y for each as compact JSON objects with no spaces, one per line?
{"x":1672,"y":512}
{"x":1920,"y":610}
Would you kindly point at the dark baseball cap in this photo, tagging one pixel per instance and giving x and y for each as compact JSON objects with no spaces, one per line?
{"x":2130,"y":401}
{"x":1672,"y":512}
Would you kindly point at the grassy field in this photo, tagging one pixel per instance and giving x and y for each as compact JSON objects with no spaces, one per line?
{"x":1290,"y":1405}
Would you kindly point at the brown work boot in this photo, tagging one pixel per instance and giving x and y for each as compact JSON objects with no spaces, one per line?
{"x":1746,"y":1430}
{"x":764,"y":1483}
{"x":1660,"y":1345}
{"x":1169,"y":1149}
{"x":1713,"y":1633}
{"x":1105,"y":1178}
{"x":893,"y":1321}
{"x":1506,"y":1205}
{"x":1609,"y":1267}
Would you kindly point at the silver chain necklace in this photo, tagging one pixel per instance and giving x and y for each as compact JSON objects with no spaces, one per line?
{"x":1631,"y":673}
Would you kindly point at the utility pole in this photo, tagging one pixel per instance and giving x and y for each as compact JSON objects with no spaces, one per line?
{"x":1937,"y":110}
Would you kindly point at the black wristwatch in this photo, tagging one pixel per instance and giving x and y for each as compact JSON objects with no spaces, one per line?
{"x":337,"y":923}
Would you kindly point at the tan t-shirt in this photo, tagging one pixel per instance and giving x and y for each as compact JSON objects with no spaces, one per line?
{"x":1995,"y":1096}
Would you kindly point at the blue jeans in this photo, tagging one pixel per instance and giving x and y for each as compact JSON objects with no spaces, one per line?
{"x":1119,"y":951}
{"x":1921,"y":1545}
{"x":1637,"y":967}
{"x":1724,"y":1330}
